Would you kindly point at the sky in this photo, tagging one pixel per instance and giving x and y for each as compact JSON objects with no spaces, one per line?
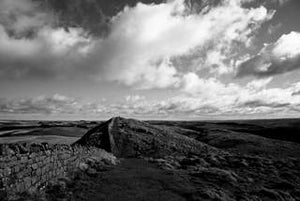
{"x":149,"y":59}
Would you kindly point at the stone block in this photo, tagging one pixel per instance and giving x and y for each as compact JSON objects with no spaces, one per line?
{"x":33,"y":155}
{"x":34,"y":166}
{"x":48,"y":153}
{"x":20,"y":187}
{"x":7,"y":172}
{"x":33,"y":180}
{"x":43,"y":170}
{"x":27,"y":183}
{"x":20,"y":175}
{"x":14,"y":158}
{"x":16,"y":169}
{"x":27,"y":171}
{"x":24,"y":159}
{"x":38,"y":172}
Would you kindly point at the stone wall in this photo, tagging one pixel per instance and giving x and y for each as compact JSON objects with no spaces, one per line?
{"x":27,"y":167}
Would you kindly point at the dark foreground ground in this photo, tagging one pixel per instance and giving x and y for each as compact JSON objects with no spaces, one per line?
{"x":255,"y":160}
{"x":133,"y":179}
{"x":137,"y":179}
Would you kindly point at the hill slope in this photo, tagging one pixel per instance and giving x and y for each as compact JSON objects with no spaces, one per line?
{"x":133,"y":138}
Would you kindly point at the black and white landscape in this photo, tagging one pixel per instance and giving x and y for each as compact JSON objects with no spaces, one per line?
{"x":149,"y":100}
{"x":162,"y":160}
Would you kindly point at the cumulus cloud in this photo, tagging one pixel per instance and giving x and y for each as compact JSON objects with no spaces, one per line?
{"x":41,"y":104}
{"x":199,"y":98}
{"x":22,"y":16}
{"x":146,"y":38}
{"x":207,"y":98}
{"x":259,"y":84}
{"x":58,"y":105}
{"x":141,"y":47}
{"x":134,"y":98}
{"x":256,"y":97}
{"x":53,"y":52}
{"x":31,"y":47}
{"x":280,"y":57}
{"x":53,"y":105}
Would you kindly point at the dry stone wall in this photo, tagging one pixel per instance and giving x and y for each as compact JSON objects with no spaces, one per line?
{"x":27,"y":167}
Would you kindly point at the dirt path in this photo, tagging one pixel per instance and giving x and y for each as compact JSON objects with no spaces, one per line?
{"x":134,"y":179}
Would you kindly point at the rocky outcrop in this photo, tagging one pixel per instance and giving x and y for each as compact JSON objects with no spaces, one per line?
{"x":133,"y":138}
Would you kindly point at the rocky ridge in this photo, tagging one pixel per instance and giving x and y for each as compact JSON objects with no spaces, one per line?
{"x":133,"y":138}
{"x":209,"y":173}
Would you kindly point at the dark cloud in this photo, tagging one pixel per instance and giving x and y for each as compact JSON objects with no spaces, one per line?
{"x":52,"y":53}
{"x":131,"y":45}
{"x":21,"y":18}
{"x":30,"y":46}
{"x":297,"y":93}
{"x":267,"y":3}
{"x":259,"y":103}
{"x":277,"y":58}
{"x":265,"y":66}
{"x":93,"y":15}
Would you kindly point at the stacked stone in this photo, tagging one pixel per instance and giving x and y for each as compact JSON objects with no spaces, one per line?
{"x":27,"y":167}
